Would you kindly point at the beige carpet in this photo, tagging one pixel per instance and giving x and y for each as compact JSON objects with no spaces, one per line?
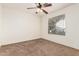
{"x":39,"y":47}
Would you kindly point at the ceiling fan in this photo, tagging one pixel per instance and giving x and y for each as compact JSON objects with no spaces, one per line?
{"x":40,"y":7}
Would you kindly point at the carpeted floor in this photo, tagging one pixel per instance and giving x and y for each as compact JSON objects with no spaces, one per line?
{"x":39,"y":47}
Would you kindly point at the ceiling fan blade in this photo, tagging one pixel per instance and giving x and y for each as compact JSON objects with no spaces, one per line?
{"x":47,"y":4}
{"x":44,"y":11}
{"x":32,"y":8}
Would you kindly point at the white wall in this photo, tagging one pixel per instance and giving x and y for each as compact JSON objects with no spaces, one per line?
{"x":18,"y":25}
{"x":1,"y":23}
{"x":0,"y":18}
{"x":72,"y":27}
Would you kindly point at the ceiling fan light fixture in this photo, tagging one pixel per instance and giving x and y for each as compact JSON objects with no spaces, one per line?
{"x":41,"y":7}
{"x":39,"y":10}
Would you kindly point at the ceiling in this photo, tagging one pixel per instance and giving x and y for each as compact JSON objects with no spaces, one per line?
{"x":54,"y":7}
